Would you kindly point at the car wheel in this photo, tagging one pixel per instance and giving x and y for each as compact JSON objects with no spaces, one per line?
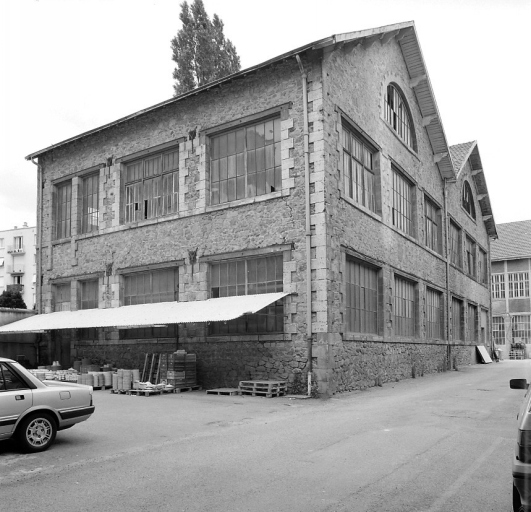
{"x":37,"y":432}
{"x":517,"y":504}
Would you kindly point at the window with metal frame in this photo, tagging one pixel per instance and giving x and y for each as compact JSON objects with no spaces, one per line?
{"x":249,"y":277}
{"x":397,"y":115}
{"x":498,"y":286}
{"x":518,"y":284}
{"x":89,"y":333}
{"x":61,"y":297}
{"x":433,"y":225}
{"x":245,"y":162}
{"x":434,"y":314}
{"x":90,"y":203}
{"x":152,"y":186}
{"x":468,"y":200}
{"x":168,"y":331}
{"x":402,"y":208}
{"x":472,"y":322}
{"x":18,"y":242}
{"x":521,"y":328}
{"x":161,"y":285}
{"x":62,"y":210}
{"x":457,"y":319}
{"x":470,"y":252}
{"x":358,"y":169}
{"x":498,"y":330}
{"x":455,"y":245}
{"x":483,"y":268}
{"x":361,"y":308}
{"x":89,"y":294}
{"x":404,"y":307}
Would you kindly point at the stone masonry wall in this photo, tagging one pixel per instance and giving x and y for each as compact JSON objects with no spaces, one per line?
{"x":354,"y":84}
{"x":271,"y":224}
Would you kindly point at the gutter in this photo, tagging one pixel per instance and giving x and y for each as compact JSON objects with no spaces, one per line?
{"x":447,"y":236}
{"x":309,"y":347}
{"x":38,"y":280}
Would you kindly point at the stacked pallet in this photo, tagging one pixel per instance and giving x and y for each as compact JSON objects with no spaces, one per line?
{"x":181,"y":370}
{"x":267,"y":388}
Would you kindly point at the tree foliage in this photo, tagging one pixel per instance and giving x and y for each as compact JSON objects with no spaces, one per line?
{"x":10,"y":299}
{"x":200,"y":50}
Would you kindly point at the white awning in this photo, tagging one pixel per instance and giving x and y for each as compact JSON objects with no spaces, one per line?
{"x":161,"y":313}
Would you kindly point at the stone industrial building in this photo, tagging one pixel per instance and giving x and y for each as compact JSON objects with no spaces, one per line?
{"x":18,"y":262}
{"x":511,"y":303}
{"x":323,"y":175}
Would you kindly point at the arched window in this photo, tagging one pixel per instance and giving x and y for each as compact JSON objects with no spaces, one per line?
{"x":397,"y":115}
{"x":468,"y":200}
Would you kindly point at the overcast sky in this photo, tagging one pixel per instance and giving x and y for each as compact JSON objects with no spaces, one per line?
{"x":68,"y":66}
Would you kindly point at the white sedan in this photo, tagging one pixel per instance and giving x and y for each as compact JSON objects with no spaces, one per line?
{"x":33,"y":411}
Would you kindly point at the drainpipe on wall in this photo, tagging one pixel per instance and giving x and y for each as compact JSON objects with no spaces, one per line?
{"x":447,"y":236}
{"x":38,"y":281}
{"x":304,"y":77}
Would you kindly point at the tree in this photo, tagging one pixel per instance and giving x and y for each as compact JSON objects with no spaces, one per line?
{"x":10,"y":299}
{"x":200,"y":50}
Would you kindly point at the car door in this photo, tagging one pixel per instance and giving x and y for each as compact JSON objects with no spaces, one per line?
{"x":15,"y":398}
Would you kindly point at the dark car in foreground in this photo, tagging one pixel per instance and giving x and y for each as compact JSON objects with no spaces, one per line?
{"x":522,"y":456}
{"x":33,"y":411}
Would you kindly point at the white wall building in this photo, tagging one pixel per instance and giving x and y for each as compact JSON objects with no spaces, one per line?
{"x":17,"y":261}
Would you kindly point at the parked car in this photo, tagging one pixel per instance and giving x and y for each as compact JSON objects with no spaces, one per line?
{"x":522,"y":456}
{"x":33,"y":411}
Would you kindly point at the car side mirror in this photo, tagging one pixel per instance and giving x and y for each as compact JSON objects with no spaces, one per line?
{"x":518,"y":384}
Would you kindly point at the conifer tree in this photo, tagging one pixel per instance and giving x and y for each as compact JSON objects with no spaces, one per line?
{"x":10,"y":299}
{"x":201,"y":52}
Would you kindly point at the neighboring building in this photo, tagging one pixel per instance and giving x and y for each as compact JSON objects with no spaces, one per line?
{"x":511,"y":303}
{"x":18,"y":346}
{"x":324,"y":175}
{"x":18,"y":262}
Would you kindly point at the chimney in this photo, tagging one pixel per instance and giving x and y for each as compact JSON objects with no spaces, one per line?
{"x":25,"y":225}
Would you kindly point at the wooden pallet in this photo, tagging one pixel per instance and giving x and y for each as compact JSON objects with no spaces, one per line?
{"x":223,"y":391}
{"x":263,"y":386}
{"x":181,"y":389}
{"x":266,"y":394}
{"x":145,"y":392}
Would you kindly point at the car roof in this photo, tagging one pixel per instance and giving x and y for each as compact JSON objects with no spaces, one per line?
{"x":6,"y":359}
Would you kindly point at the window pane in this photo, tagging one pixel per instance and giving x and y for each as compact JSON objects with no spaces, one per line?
{"x":247,"y":277}
{"x":150,"y":287}
{"x":152,"y":186}
{"x":404,"y":307}
{"x":242,"y":153}
{"x":361,"y":298}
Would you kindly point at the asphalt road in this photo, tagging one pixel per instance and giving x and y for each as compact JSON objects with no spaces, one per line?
{"x":441,"y":442}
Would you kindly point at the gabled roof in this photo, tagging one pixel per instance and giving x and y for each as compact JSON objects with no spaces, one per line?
{"x":470,"y":151}
{"x":406,"y":36}
{"x":514,"y":241}
{"x":460,"y":154}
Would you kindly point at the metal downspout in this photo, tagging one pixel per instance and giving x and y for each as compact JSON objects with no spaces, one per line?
{"x":38,"y":282}
{"x":308,"y":229}
{"x":447,"y":236}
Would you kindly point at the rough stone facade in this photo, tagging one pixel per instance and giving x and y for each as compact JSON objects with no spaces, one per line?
{"x":346,"y":84}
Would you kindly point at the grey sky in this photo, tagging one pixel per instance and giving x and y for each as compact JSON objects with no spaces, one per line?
{"x":72,"y":65}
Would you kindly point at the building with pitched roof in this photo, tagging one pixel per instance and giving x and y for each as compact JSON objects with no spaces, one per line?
{"x":511,"y":301}
{"x":319,"y":184}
